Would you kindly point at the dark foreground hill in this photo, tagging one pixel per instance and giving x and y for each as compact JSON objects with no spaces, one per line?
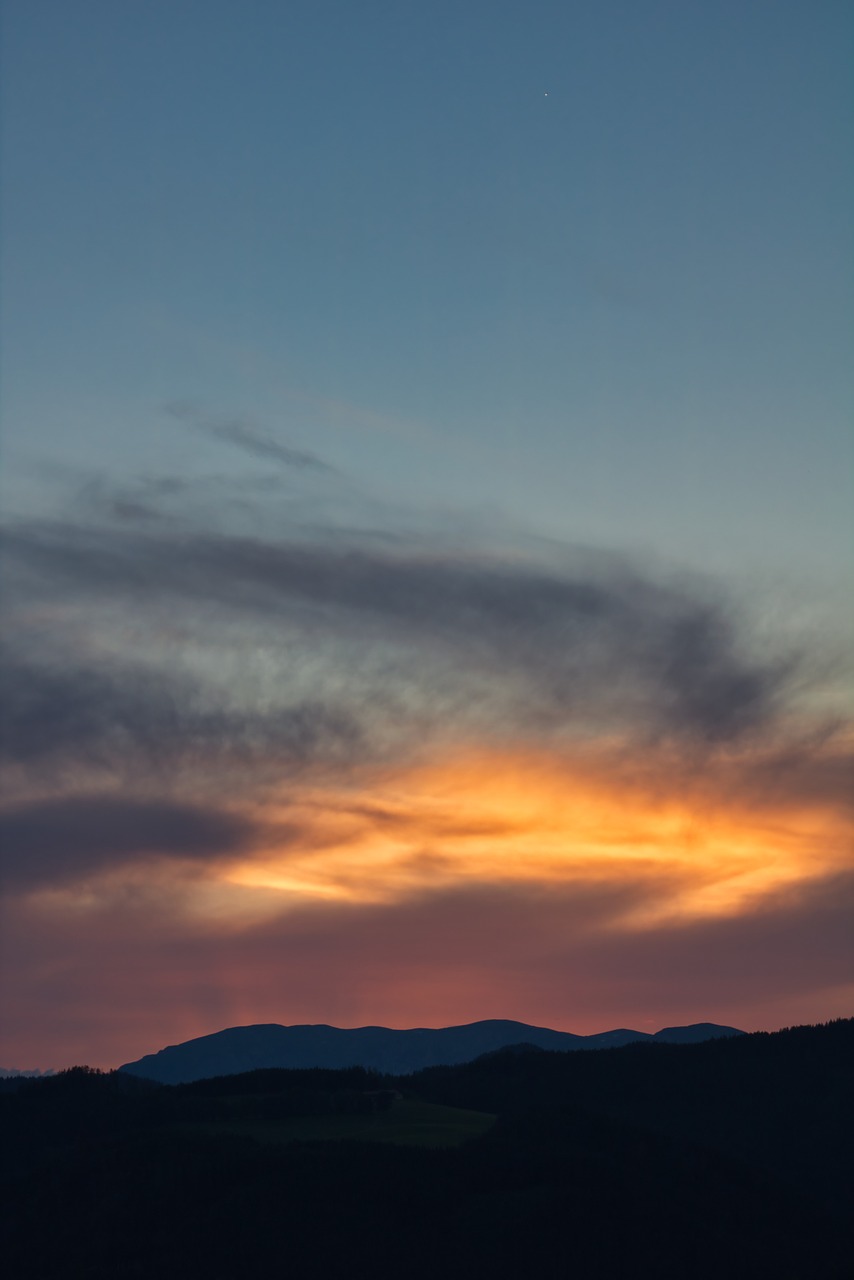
{"x":377,"y":1048}
{"x":728,"y":1158}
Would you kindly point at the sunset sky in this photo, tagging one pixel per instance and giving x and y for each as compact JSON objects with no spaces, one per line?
{"x":428,"y":552}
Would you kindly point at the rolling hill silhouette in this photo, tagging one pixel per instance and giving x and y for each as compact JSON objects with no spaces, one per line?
{"x":393,"y":1052}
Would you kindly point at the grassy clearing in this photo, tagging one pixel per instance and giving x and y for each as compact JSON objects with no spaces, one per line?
{"x":408,"y":1122}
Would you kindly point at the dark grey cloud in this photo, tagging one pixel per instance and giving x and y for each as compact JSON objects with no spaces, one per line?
{"x":668,"y":658}
{"x":243,"y":434}
{"x":58,"y":841}
{"x":126,"y":719}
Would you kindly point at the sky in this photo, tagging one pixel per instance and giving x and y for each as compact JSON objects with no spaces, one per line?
{"x":426,"y":505}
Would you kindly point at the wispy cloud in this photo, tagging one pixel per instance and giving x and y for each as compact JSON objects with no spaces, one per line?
{"x":243,"y":434}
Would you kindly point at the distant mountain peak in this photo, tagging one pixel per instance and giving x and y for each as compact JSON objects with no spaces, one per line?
{"x":384,"y":1049}
{"x":13,"y":1073}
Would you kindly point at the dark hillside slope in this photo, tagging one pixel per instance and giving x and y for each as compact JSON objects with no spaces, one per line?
{"x":783,"y":1102}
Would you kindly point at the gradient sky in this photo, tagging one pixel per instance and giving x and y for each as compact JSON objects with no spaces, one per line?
{"x":426,"y":499}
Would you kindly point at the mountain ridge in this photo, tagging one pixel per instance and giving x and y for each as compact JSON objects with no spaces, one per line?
{"x":389,"y":1050}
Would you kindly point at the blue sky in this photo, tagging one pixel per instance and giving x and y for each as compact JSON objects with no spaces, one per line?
{"x":391,"y":391}
{"x":620,"y":312}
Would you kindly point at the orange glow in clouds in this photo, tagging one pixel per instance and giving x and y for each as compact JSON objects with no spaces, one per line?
{"x":486,"y":818}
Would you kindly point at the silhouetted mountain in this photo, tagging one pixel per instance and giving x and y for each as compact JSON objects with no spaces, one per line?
{"x":382,"y":1049}
{"x":12,"y":1073}
{"x":696,"y":1033}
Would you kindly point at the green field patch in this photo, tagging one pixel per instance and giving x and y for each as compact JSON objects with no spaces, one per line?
{"x":407,"y":1122}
